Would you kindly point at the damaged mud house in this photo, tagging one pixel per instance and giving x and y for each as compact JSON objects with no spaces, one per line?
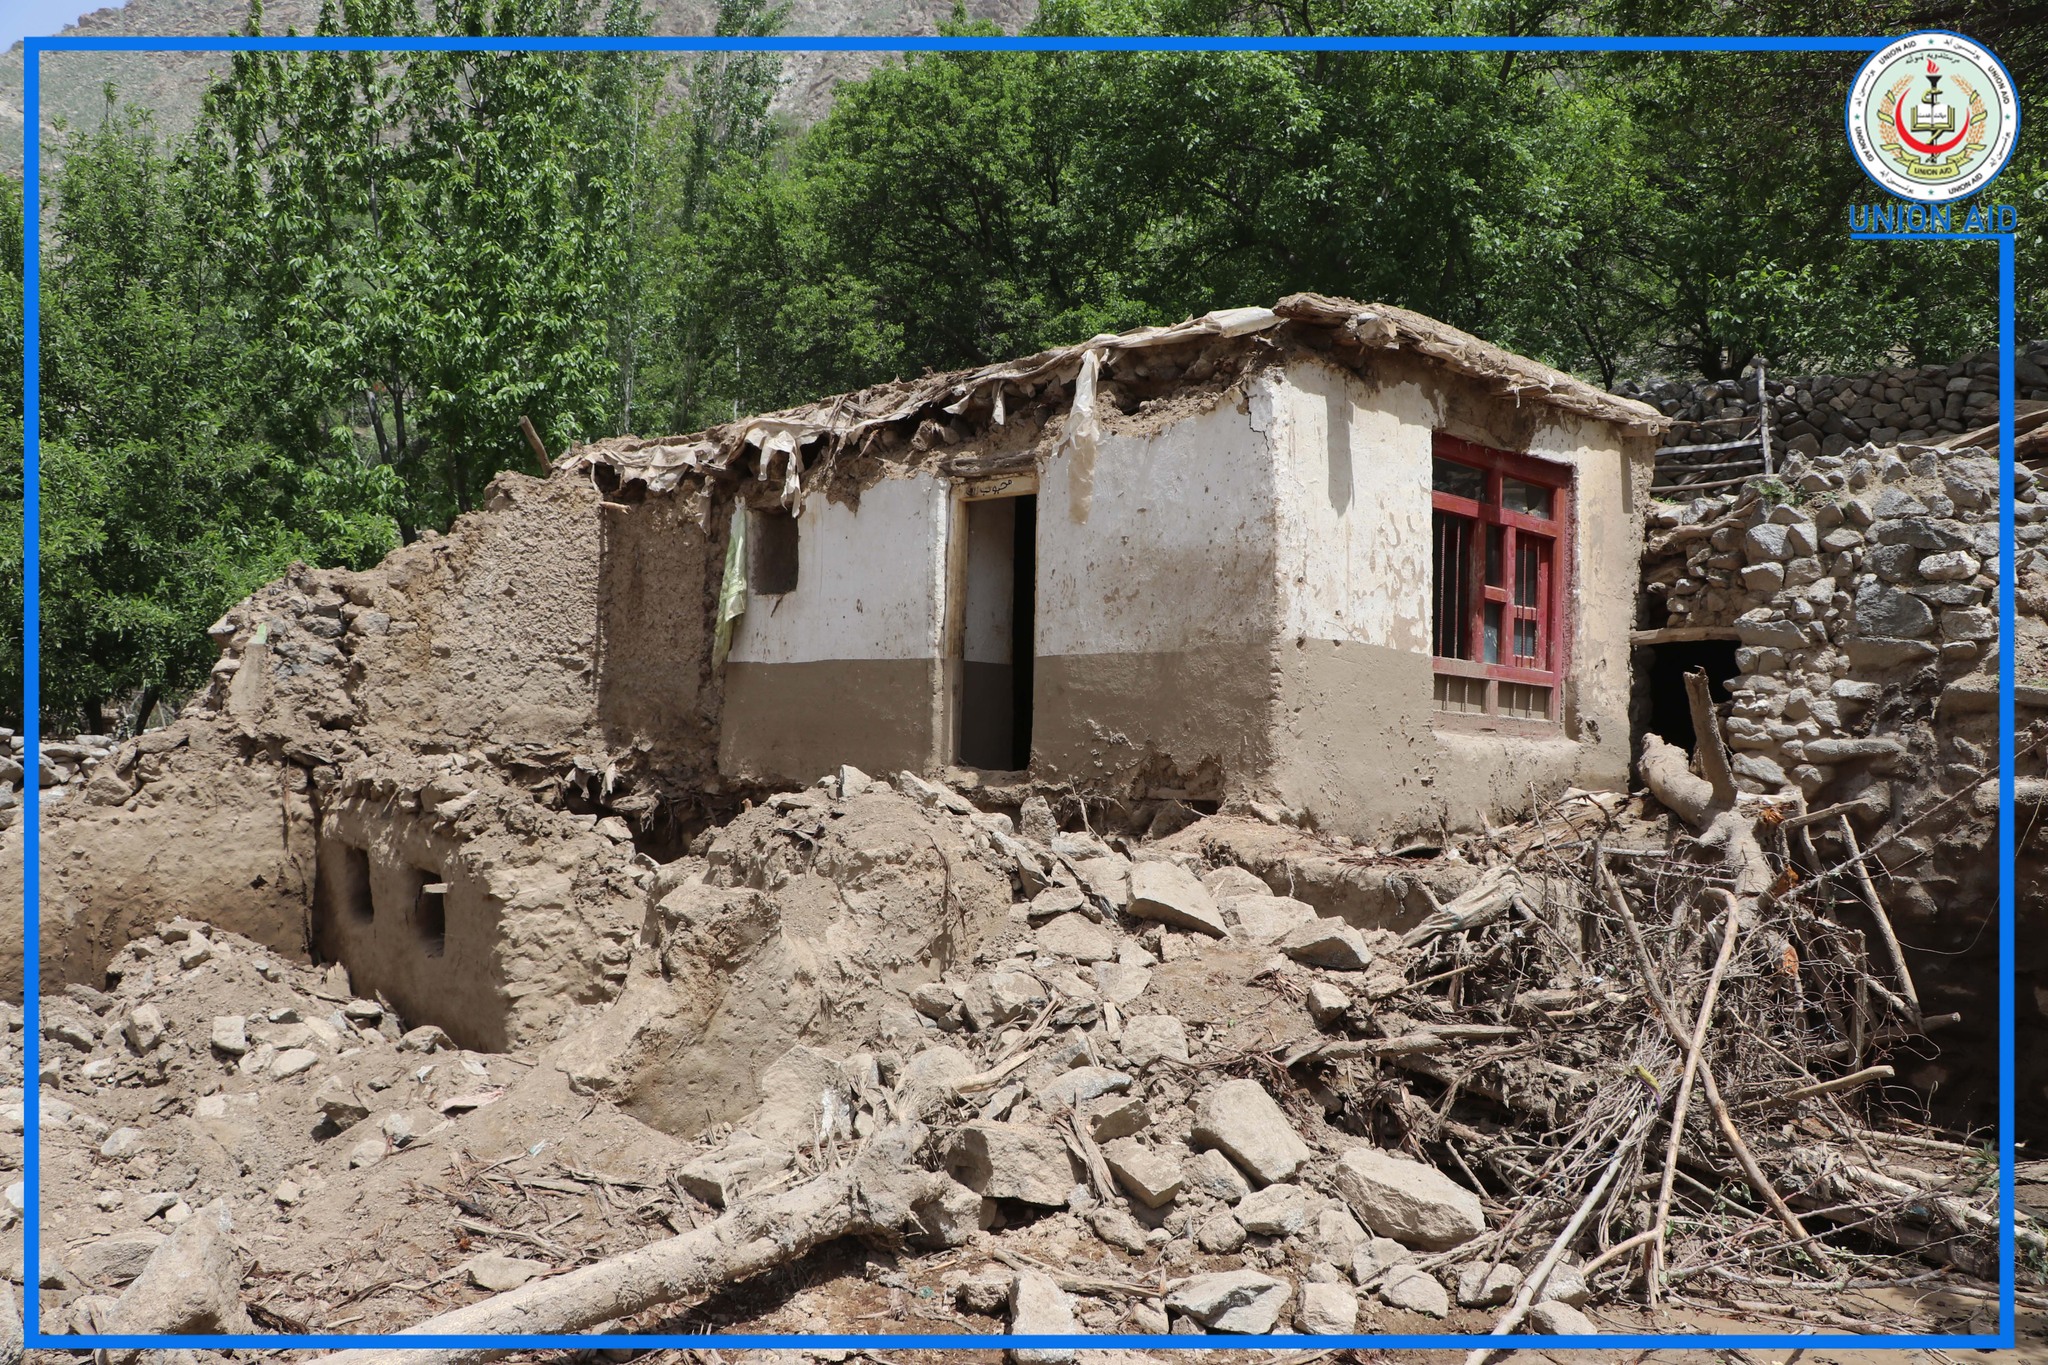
{"x":1203,"y":671}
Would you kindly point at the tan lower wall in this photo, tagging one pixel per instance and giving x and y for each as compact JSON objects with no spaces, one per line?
{"x":1364,"y":753}
{"x":1197,"y":721}
{"x":792,"y":723}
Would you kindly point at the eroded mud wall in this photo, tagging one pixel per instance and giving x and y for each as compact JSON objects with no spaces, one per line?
{"x":442,"y":711}
{"x":1360,"y":746}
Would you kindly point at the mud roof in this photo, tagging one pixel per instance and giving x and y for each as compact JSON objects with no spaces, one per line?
{"x":852,"y":420}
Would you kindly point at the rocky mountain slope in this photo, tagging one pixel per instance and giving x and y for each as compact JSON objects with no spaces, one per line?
{"x":171,"y":83}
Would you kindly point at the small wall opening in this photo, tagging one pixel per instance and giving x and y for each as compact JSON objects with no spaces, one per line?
{"x":430,"y":913}
{"x":771,"y":551}
{"x":350,"y":888}
{"x":1670,"y":713}
{"x":996,"y":643}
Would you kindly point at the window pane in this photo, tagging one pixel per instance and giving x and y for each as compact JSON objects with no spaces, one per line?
{"x":1528,"y":571}
{"x":1496,"y":539}
{"x":1450,"y":588}
{"x":1493,"y":632}
{"x":1525,"y":641}
{"x":1459,"y":480}
{"x":1529,"y":498}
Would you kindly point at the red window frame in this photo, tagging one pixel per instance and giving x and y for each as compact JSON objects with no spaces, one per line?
{"x":1528,"y":546}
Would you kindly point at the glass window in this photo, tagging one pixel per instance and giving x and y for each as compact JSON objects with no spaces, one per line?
{"x":1459,"y":480}
{"x":1529,"y":499}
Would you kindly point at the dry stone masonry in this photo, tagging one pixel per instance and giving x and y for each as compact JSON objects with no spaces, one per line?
{"x":1827,"y":414}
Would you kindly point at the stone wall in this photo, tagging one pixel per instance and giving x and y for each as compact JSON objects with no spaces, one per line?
{"x":1859,"y":593}
{"x":1827,"y":414}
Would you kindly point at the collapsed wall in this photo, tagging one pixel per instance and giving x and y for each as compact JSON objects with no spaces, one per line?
{"x":423,"y":769}
{"x":1849,"y":610}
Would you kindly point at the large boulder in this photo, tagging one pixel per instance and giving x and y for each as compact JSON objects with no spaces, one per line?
{"x":1414,"y":1204}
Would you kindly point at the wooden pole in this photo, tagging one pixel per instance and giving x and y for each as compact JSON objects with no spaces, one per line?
{"x":540,"y":451}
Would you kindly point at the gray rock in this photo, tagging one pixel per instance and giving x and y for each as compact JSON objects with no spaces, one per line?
{"x":1240,"y":1119}
{"x":1118,"y":1228}
{"x":498,"y":1272}
{"x":1326,"y":1003}
{"x":1231,"y":1301}
{"x":1169,"y":893}
{"x":1764,"y":579}
{"x":1333,"y":1235}
{"x":1416,"y":1290}
{"x":192,"y":1282}
{"x":1278,"y":1210}
{"x":1211,"y":1173}
{"x":927,"y":1080}
{"x":1109,"y":877}
{"x":1565,"y":1285}
{"x":339,"y":1105}
{"x":1327,"y":1310}
{"x":1560,"y":1320}
{"x":1765,"y":543}
{"x":1265,"y":918}
{"x":1071,"y":1089}
{"x":1152,"y":1177}
{"x":1220,"y":1234}
{"x":1057,"y":900}
{"x":1035,"y":820}
{"x":116,"y":1259}
{"x":1112,"y":1118}
{"x":1076,"y":937}
{"x":1230,"y":881}
{"x":1012,"y":1161}
{"x":1415,"y":1204}
{"x":1885,"y":611}
{"x":986,"y":1292}
{"x":1977,"y":624}
{"x":425,"y":1038}
{"x":1949,"y":566}
{"x":1039,"y":1307}
{"x":1153,"y":1038}
{"x":1482,"y":1286}
{"x":145,"y":1028}
{"x":1328,"y":943}
{"x":230,"y":1035}
{"x":122,"y":1143}
{"x":295,"y":1061}
{"x":807,"y":1099}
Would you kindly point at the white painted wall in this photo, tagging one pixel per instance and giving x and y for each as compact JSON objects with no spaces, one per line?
{"x":1354,"y":509}
{"x":1159,"y":543}
{"x":1354,"y":515}
{"x":869,"y":583}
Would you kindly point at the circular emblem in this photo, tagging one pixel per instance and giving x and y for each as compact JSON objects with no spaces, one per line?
{"x":1933,"y":117}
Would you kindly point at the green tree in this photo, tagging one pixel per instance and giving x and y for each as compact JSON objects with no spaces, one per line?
{"x":434,"y":244}
{"x":163,"y":498}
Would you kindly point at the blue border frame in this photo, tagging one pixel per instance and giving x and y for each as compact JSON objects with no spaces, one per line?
{"x":34,"y":1339}
{"x":1849,"y":116}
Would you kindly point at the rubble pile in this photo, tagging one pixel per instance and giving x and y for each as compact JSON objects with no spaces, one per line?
{"x":1859,"y":594}
{"x":1114,"y":1084}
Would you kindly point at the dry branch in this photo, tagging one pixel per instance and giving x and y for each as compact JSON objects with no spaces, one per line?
{"x":882,"y":1192}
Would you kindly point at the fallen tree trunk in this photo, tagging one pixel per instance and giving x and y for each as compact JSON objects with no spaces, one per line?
{"x":882,"y":1192}
{"x":1707,"y":803}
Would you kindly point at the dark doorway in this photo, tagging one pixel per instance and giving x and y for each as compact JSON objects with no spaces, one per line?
{"x":1670,"y":713}
{"x":996,"y":640}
